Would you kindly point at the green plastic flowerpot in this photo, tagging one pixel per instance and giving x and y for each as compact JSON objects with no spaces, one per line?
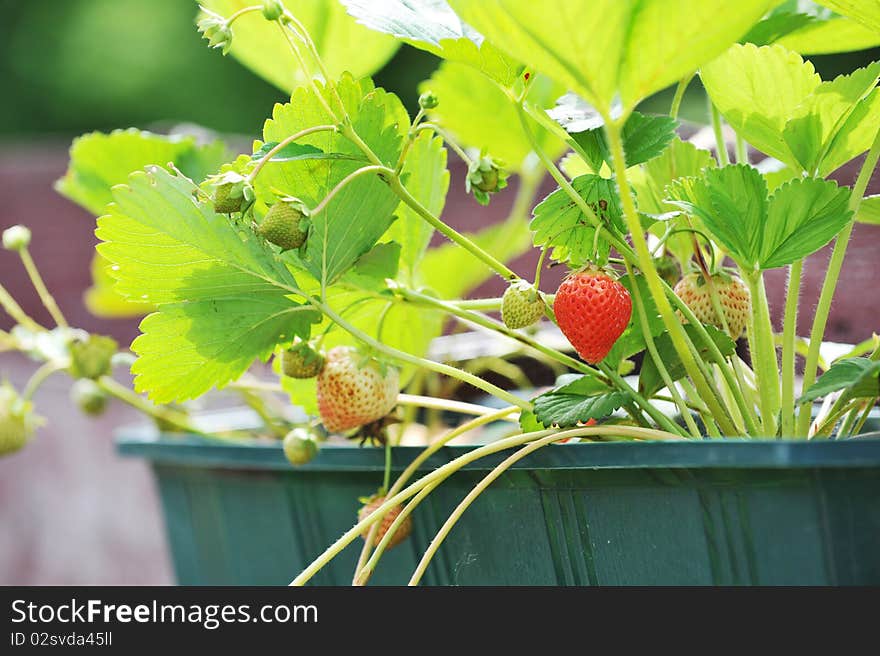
{"x":708,"y":513}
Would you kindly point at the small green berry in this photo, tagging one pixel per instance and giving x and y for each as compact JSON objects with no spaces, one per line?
{"x":88,"y":396}
{"x":92,"y":357}
{"x":301,"y":361}
{"x":521,"y":305}
{"x":272,"y":10}
{"x":485,"y":176}
{"x":428,"y":100}
{"x":232,"y":192}
{"x":16,"y":238}
{"x":286,"y":224}
{"x":300,"y":446}
{"x":668,"y":269}
{"x":17,"y":421}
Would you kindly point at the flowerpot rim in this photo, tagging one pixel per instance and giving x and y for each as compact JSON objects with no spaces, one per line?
{"x":195,"y":451}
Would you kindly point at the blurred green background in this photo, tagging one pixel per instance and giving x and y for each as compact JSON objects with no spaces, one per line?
{"x":70,"y":66}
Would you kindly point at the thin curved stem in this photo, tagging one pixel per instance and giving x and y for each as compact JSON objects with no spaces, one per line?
{"x":13,"y":309}
{"x":448,"y":140}
{"x":38,"y":378}
{"x":832,"y":274}
{"x":361,"y":575}
{"x":345,"y":181}
{"x":683,"y":84}
{"x":441,"y":473}
{"x":281,"y":145}
{"x":720,"y":145}
{"x":37,"y":280}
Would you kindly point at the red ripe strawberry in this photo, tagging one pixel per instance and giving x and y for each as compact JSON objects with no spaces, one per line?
{"x":733,"y":296}
{"x":400,"y":534}
{"x":592,"y":310}
{"x":354,"y":390}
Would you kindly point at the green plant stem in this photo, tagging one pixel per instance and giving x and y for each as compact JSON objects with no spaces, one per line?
{"x":683,"y":84}
{"x":447,"y":404}
{"x":720,"y":144}
{"x":37,"y":280}
{"x":862,"y":419}
{"x":255,"y":402}
{"x":789,"y":337}
{"x":241,"y":12}
{"x":618,"y":243}
{"x":365,"y":568}
{"x":712,"y":429}
{"x":655,"y":356}
{"x":832,"y":274}
{"x":479,"y":304}
{"x":652,"y":411}
{"x":764,"y":362}
{"x":305,"y":69}
{"x":742,"y":150}
{"x":496,"y":265}
{"x":13,"y":309}
{"x":381,"y":170}
{"x":437,"y":367}
{"x":677,"y":334}
{"x":125,"y":395}
{"x":443,"y":472}
{"x":281,"y":145}
{"x":38,"y":378}
{"x":449,"y":141}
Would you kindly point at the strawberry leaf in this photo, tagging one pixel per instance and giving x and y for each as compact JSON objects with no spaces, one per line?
{"x":803,"y":214}
{"x":560,"y":224}
{"x":482,"y":116}
{"x":866,"y":12}
{"x":425,"y":177}
{"x":575,"y":398}
{"x":433,"y":26}
{"x":342,"y":44}
{"x":356,"y":217}
{"x":869,"y":210}
{"x":858,"y":376}
{"x":603,"y":48}
{"x":294,"y":151}
{"x":650,"y":381}
{"x":224,"y":299}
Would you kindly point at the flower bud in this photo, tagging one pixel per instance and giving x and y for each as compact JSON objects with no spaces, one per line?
{"x":16,"y":238}
{"x":428,"y":100}
{"x":272,"y":10}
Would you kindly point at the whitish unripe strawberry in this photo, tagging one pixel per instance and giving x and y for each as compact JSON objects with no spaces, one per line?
{"x":733,"y":296}
{"x":286,"y":224}
{"x":300,"y":446}
{"x":521,"y":305}
{"x":354,"y":390}
{"x":16,"y":238}
{"x":301,"y":361}
{"x":400,"y":534}
{"x":88,"y":396}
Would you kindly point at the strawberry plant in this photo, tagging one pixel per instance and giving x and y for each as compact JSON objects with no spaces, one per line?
{"x":314,"y":246}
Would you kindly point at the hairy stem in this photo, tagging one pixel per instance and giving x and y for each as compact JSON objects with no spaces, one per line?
{"x":832,"y":274}
{"x":789,"y":336}
{"x":764,"y":361}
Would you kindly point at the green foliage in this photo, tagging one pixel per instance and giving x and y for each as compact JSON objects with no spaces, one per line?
{"x":357,"y":216}
{"x":295,"y":151}
{"x":224,"y":298}
{"x":644,"y":137}
{"x":633,"y":339}
{"x":432,"y":25}
{"x":482,"y":116}
{"x":427,"y":179}
{"x":778,"y":103}
{"x":832,"y":35}
{"x":342,"y":44}
{"x":858,"y":376}
{"x":577,"y":399}
{"x":603,"y":47}
{"x":759,"y":232}
{"x":560,"y":224}
{"x":869,"y":210}
{"x":866,"y":12}
{"x":650,"y":381}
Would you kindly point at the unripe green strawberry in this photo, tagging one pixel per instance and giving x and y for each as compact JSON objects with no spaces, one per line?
{"x":272,"y":10}
{"x":592,"y":310}
{"x":668,"y":268}
{"x":428,"y":100}
{"x":521,"y":305}
{"x":232,"y":192}
{"x":733,"y":297}
{"x":88,"y":396}
{"x":300,"y":446}
{"x":400,"y":534}
{"x":286,"y":224}
{"x":485,"y":176}
{"x":301,"y":361}
{"x":354,"y":390}
{"x":91,"y":357}
{"x":16,"y":238}
{"x":17,"y":421}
